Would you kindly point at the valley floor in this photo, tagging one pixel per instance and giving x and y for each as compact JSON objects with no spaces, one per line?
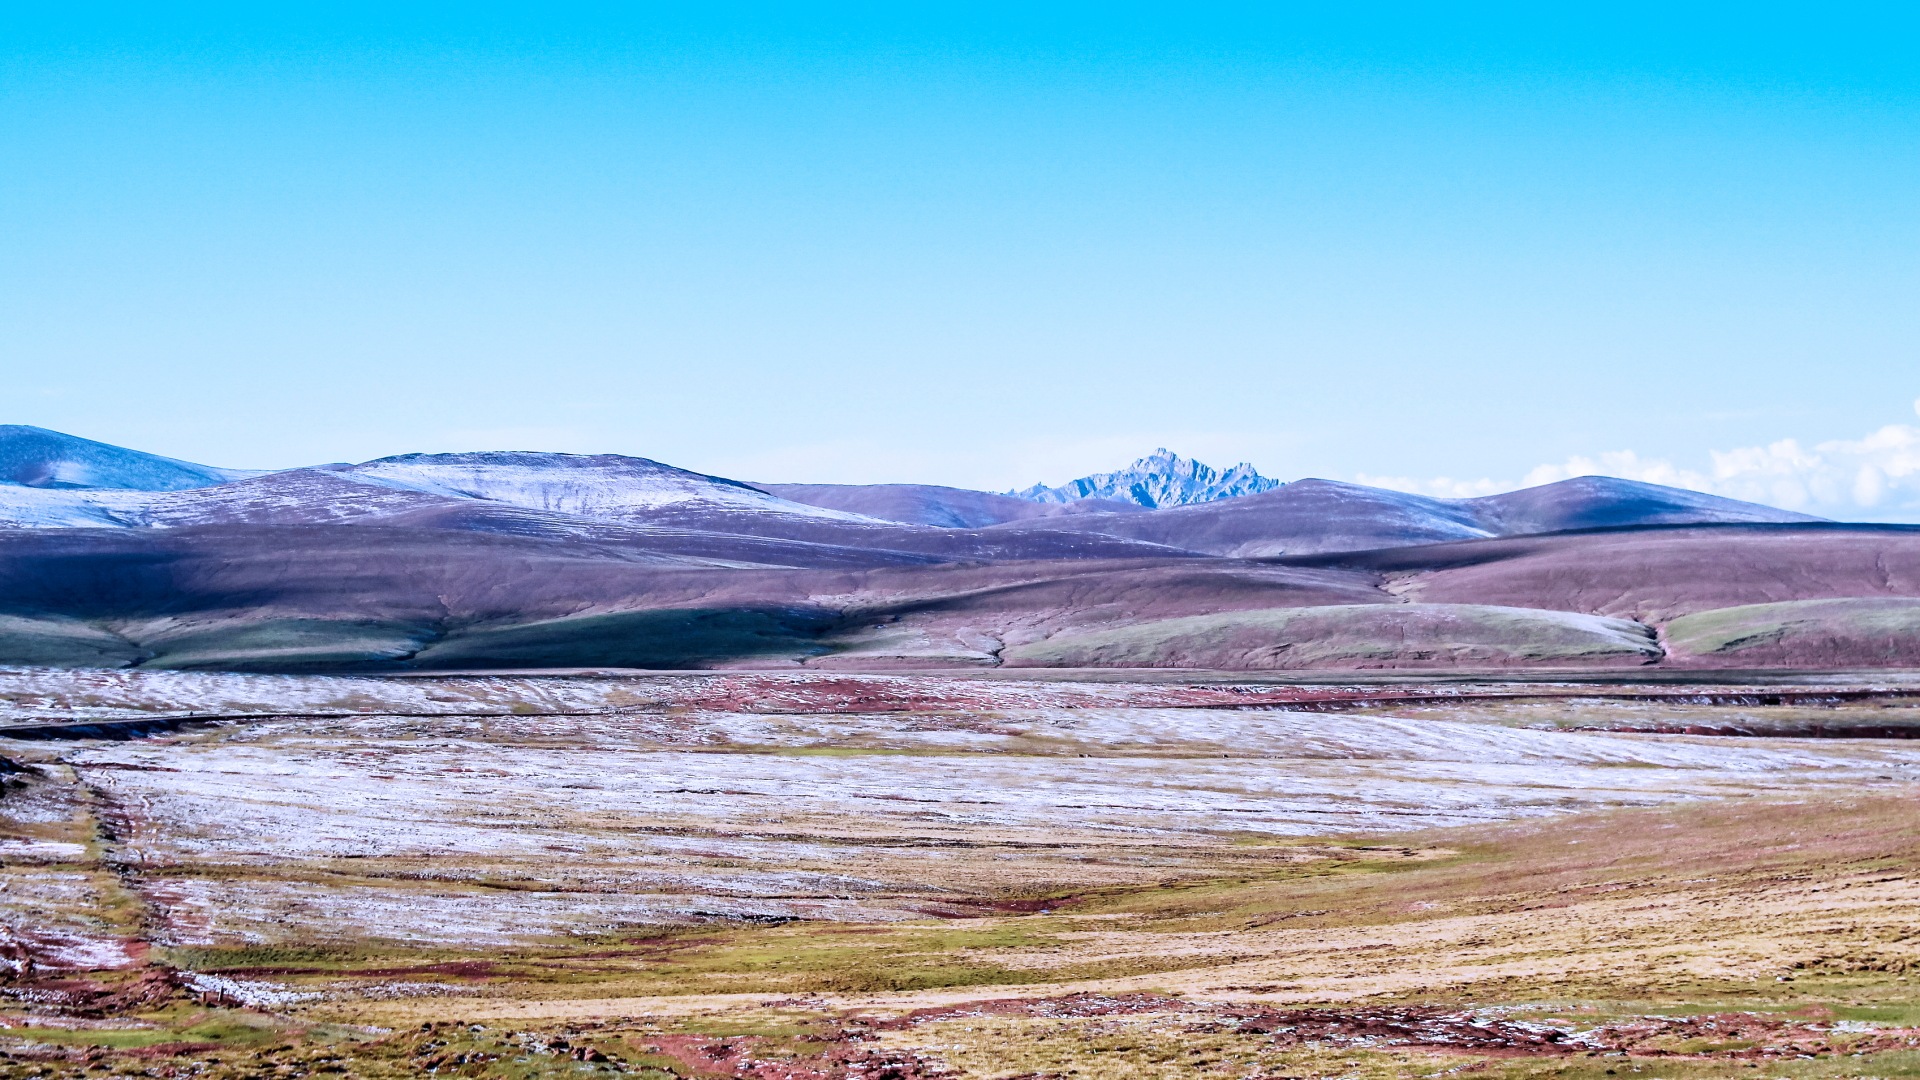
{"x":774,"y":876}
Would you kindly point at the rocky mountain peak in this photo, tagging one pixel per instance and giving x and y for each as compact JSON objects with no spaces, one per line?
{"x":1161,"y":479}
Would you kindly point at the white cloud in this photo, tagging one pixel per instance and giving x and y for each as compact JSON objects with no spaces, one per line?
{"x":1625,"y":464}
{"x":1876,"y":477}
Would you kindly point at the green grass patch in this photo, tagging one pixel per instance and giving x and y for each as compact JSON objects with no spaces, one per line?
{"x":317,"y":959}
{"x":233,"y":1029}
{"x":116,"y":1038}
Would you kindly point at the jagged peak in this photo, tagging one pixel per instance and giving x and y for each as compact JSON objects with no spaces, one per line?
{"x":1161,"y":479}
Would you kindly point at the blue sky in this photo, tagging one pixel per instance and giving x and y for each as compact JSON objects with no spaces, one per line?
{"x":1448,"y":250}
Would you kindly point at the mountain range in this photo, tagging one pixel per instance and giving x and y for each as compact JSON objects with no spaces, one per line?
{"x":112,"y":557}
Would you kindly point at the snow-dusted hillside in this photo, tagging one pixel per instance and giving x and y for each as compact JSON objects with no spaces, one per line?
{"x":295,"y":497}
{"x":599,"y":486}
{"x":1587,"y":502}
{"x":1158,"y":480}
{"x":931,"y":504}
{"x":1172,"y":504}
{"x":534,"y":560}
{"x":37,"y":458}
{"x":1302,"y":518}
{"x":66,"y":508}
{"x":559,"y":486}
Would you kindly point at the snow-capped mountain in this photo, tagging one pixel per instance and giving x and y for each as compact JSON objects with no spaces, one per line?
{"x":1158,"y":480}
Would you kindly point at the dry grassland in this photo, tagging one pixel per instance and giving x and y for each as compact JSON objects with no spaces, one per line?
{"x":1768,"y":929}
{"x":1804,"y":915}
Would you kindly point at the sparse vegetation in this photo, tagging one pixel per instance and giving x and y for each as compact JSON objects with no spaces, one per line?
{"x":1771,"y":932}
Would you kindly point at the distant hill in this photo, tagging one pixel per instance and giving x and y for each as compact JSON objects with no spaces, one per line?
{"x":603,"y":498}
{"x":945,"y":507}
{"x":1315,"y":516}
{"x":598,"y":486}
{"x":1591,"y":502}
{"x":110,"y":557}
{"x":37,"y":458}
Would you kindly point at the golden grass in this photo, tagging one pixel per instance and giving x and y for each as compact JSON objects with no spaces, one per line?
{"x":1803,"y":907}
{"x":1702,"y":904}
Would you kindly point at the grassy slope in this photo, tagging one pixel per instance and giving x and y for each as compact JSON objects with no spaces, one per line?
{"x":1858,"y":631}
{"x":1805,"y":909}
{"x":1351,"y":635}
{"x":59,"y":642}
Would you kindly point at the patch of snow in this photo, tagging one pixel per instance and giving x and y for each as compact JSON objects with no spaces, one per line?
{"x":41,"y":850}
{"x":63,"y":949}
{"x":255,"y":992}
{"x":45,"y":915}
{"x":63,"y":508}
{"x":84,"y":952}
{"x":391,"y":991}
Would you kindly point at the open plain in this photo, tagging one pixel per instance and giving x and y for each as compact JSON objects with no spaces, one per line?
{"x":990,"y":874}
{"x":660,"y":541}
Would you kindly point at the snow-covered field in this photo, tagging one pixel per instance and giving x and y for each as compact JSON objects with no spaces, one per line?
{"x":47,"y":695}
{"x":504,"y":810}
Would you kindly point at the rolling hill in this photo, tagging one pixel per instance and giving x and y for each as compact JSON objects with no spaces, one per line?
{"x":930,"y":504}
{"x":37,"y":458}
{"x":110,"y":558}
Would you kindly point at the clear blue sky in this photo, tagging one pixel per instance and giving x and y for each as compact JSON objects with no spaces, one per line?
{"x":973,"y":245}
